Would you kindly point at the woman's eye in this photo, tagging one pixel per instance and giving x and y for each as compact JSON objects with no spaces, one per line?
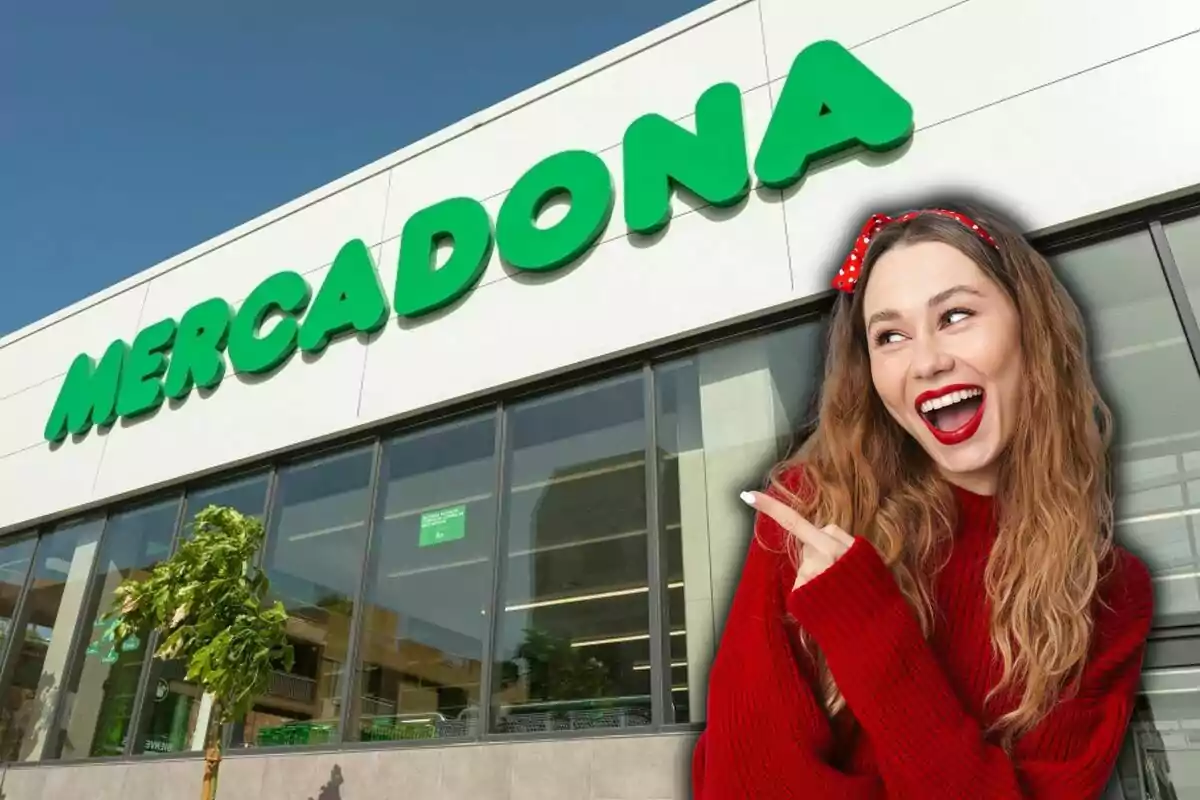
{"x":956,"y":315}
{"x":887,"y":337}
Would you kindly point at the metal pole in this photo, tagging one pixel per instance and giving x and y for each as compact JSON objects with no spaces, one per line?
{"x":349,"y":688}
{"x":1178,"y":289}
{"x":487,"y":678}
{"x":662,"y":711}
{"x":237,"y":728}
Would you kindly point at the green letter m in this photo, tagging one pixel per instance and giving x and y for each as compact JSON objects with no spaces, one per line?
{"x":88,"y":395}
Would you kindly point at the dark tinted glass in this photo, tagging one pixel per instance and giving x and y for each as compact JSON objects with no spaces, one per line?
{"x":426,"y":616}
{"x":573,"y":628}
{"x":174,"y":709}
{"x":105,"y":681}
{"x":314,"y":557}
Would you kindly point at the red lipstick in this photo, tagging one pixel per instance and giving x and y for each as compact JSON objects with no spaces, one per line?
{"x":964,"y":431}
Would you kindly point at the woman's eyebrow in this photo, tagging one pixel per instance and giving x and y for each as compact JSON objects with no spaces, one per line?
{"x":945,"y":295}
{"x":883,"y":316}
{"x":939,"y":298}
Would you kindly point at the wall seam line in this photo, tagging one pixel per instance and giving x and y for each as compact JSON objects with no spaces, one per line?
{"x":362,"y":378}
{"x":909,"y":24}
{"x":1055,"y":81}
{"x":20,"y":450}
{"x":104,"y":443}
{"x":787,"y":239}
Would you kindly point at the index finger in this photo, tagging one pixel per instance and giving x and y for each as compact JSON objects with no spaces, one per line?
{"x":791,"y":520}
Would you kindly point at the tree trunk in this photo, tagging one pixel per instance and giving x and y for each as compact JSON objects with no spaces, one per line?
{"x":212,"y":755}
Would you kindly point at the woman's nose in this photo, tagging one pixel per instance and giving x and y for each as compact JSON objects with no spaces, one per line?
{"x":929,"y":359}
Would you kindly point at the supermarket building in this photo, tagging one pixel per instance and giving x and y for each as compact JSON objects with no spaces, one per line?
{"x":636,"y":356}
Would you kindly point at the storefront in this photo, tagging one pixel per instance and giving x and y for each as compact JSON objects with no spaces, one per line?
{"x":501,"y":495}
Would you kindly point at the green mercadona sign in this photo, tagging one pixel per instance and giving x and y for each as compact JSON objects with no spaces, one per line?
{"x":830,"y":102}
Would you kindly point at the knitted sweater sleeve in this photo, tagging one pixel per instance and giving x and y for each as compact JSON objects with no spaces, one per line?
{"x":767,"y":736}
{"x":926,"y":744}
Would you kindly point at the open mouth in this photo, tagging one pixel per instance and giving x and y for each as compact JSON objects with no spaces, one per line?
{"x":952,"y":413}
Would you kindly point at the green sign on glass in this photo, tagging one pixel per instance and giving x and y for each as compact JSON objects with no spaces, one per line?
{"x":829,"y":104}
{"x":443,"y":525}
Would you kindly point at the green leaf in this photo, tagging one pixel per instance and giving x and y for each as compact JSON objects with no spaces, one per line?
{"x":209,"y":608}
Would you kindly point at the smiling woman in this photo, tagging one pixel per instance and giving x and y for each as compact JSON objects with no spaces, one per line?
{"x":945,"y":355}
{"x":933,"y":602}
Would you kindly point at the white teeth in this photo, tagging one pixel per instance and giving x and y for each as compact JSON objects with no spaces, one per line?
{"x":949,"y":399}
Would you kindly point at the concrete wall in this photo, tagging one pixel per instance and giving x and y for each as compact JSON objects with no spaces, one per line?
{"x":1011,"y":100}
{"x":159,"y":780}
{"x":611,"y":768}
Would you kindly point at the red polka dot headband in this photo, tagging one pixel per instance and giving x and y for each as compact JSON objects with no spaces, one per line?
{"x":851,"y":268}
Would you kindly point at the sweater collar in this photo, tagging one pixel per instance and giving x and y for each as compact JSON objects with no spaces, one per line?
{"x":975,"y":510}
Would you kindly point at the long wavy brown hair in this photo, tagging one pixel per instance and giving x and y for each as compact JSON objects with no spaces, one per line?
{"x":1054,"y":499}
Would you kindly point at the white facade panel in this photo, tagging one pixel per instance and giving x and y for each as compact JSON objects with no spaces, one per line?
{"x":591,"y":114}
{"x":24,"y":415}
{"x":300,"y":242}
{"x":986,"y":51}
{"x":1099,"y":142}
{"x":789,"y":26}
{"x":244,"y":417}
{"x":1013,"y":101}
{"x":993,"y":48}
{"x":30,"y":360}
{"x":708,"y":266}
{"x":756,"y":112}
{"x":43,"y":480}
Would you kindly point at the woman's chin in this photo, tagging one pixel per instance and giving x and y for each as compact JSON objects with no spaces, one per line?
{"x":978,"y":453}
{"x":967,"y":462}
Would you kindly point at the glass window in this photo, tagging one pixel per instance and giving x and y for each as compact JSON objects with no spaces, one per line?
{"x":430,"y":585}
{"x":573,"y":627}
{"x":724,"y":417}
{"x":174,"y":710}
{"x":15,"y":557}
{"x":314,"y":557}
{"x":1146,"y":373}
{"x":99,"y":703}
{"x":46,"y":629}
{"x":1160,"y":759}
{"x":247,"y":495}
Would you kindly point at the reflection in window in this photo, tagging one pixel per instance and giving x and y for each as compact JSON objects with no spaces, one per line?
{"x":724,"y":416}
{"x":1160,"y":759}
{"x":15,"y":558}
{"x":1146,"y":373}
{"x":174,"y":710}
{"x":573,"y":627}
{"x":430,"y":585}
{"x":247,"y":495}
{"x":49,"y":617}
{"x":105,"y":682}
{"x":314,"y":555}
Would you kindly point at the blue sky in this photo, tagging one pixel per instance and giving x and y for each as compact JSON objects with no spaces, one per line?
{"x":132,"y":130}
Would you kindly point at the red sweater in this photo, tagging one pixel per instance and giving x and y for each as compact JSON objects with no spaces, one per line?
{"x":916,"y":712}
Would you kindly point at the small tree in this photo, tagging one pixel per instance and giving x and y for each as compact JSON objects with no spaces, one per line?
{"x":208,"y":604}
